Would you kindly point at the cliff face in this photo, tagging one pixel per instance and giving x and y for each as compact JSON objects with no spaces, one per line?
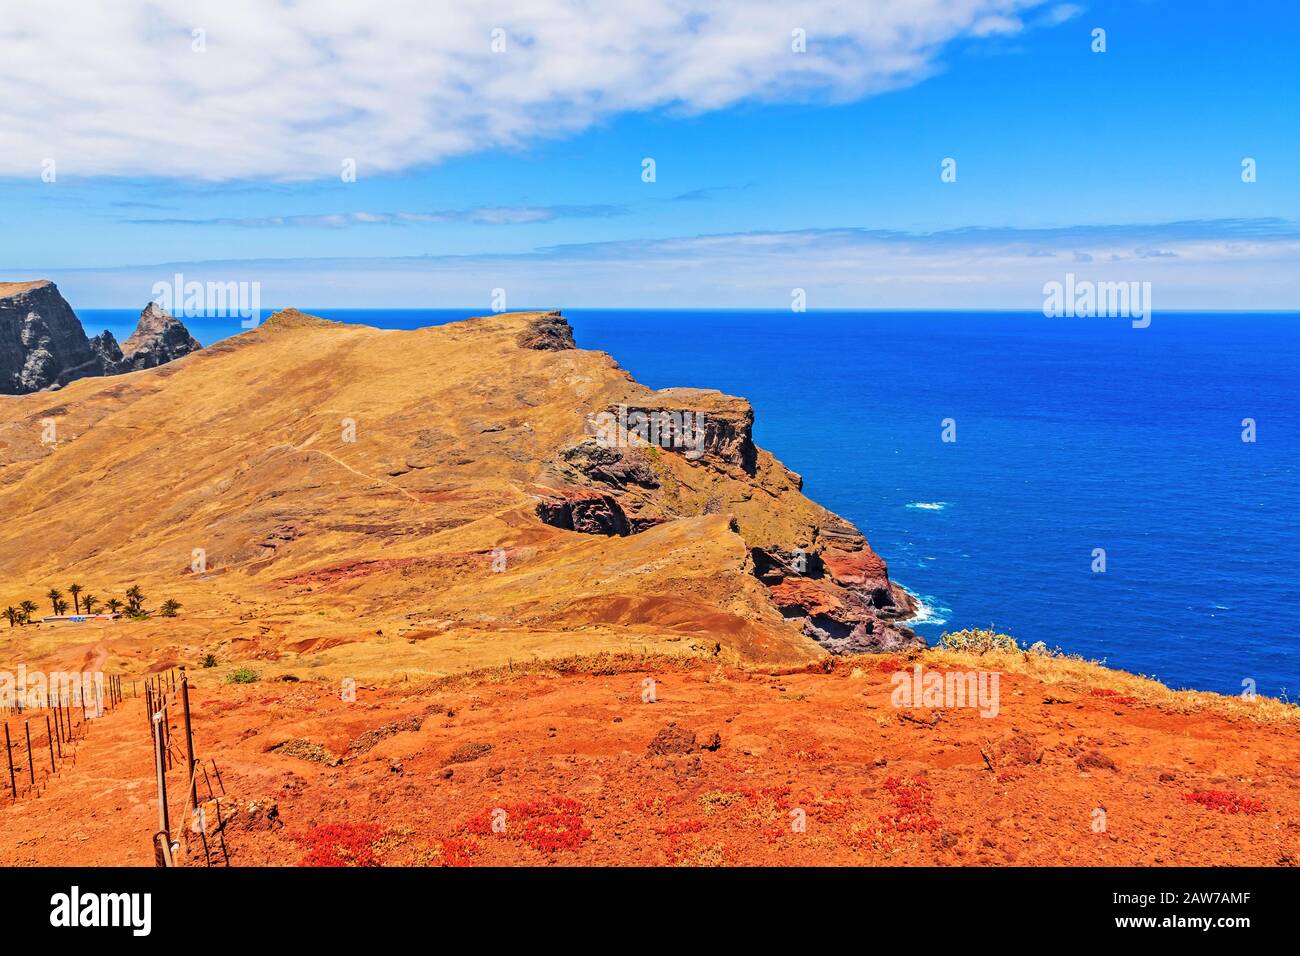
{"x":430,"y":500}
{"x":43,"y":344}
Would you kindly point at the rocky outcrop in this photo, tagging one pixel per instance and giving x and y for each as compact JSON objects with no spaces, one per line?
{"x":43,"y":344}
{"x":611,"y":466}
{"x":550,"y":333}
{"x":158,"y":338}
{"x":838,"y":590}
{"x":590,"y":512}
{"x":699,"y":423}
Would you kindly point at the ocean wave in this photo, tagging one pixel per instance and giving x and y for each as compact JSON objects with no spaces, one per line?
{"x":928,"y":505}
{"x":929,"y":610}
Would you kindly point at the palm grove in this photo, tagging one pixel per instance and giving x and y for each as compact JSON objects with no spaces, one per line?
{"x":86,"y":603}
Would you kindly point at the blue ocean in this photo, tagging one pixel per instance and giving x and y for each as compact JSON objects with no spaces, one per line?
{"x":1071,"y":435}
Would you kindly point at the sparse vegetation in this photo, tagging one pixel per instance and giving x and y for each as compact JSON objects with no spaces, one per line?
{"x":340,"y":844}
{"x":1083,"y":676}
{"x":88,"y":603}
{"x":56,"y":598}
{"x":113,"y":605}
{"x":209,"y":660}
{"x":243,"y":675}
{"x":13,"y":615}
{"x":74,"y":590}
{"x":977,"y":641}
{"x":28,"y":608}
{"x":170,"y":607}
{"x":547,"y":824}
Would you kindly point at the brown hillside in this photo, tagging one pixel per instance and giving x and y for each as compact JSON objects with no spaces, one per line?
{"x":349,"y":489}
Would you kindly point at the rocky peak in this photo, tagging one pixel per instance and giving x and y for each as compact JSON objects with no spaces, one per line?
{"x":158,"y":338}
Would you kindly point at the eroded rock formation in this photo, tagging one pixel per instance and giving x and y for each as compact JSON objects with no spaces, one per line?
{"x":158,"y":338}
{"x":43,"y":344}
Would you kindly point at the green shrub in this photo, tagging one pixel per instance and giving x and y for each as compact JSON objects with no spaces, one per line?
{"x":977,"y":641}
{"x":209,"y":660}
{"x":243,"y":675}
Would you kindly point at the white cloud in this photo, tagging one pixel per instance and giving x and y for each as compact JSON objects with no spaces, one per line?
{"x":1210,"y":264}
{"x":481,"y":215}
{"x":290,"y":90}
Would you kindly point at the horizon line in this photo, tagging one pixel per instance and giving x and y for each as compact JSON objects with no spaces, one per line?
{"x":476,"y":312}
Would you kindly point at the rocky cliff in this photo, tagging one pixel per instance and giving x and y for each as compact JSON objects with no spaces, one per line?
{"x":43,"y":344}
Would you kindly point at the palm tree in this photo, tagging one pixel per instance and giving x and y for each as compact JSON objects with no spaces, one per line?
{"x":89,"y":602}
{"x":55,"y":596}
{"x":28,"y":608}
{"x":60,"y":607}
{"x":13,"y":614}
{"x":114,"y":605}
{"x":134,"y":599}
{"x":74,"y":590}
{"x":170,"y":607}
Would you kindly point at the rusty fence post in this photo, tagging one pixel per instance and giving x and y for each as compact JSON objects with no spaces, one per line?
{"x":167,"y":734}
{"x":31,"y":770}
{"x":189,"y":737}
{"x":164,"y":824}
{"x":9,"y":753}
{"x":49,"y":738}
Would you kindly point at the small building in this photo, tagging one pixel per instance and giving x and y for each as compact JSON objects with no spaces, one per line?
{"x":76,"y":618}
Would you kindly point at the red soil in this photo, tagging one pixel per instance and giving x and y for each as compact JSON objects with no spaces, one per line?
{"x":808,"y":768}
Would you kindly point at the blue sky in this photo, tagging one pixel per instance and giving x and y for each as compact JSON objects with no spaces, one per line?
{"x":522,"y":169}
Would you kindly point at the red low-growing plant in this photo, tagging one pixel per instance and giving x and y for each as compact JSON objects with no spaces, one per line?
{"x":548,"y":824}
{"x":340,"y":844}
{"x":454,"y":852}
{"x":889,"y":666}
{"x":911,"y":799}
{"x":830,"y":806}
{"x":1225,"y":802}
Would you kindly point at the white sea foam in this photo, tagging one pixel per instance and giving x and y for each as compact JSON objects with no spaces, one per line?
{"x":929,"y":505}
{"x":929,"y":610}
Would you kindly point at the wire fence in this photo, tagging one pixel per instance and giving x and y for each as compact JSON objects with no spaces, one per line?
{"x":44,"y":733}
{"x":172,"y":844}
{"x":62,"y":719}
